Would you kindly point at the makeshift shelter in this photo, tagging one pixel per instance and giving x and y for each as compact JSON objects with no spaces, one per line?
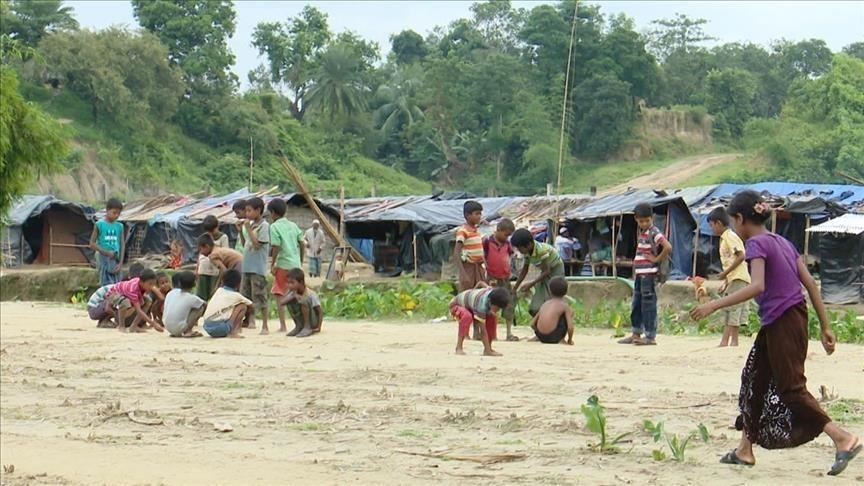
{"x":842,"y":264}
{"x":47,"y":230}
{"x":615,"y":213}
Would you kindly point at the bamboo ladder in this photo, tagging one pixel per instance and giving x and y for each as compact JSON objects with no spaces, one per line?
{"x":322,"y":218}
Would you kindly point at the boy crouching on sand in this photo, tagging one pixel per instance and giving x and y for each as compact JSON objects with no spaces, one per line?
{"x":303,"y":305}
{"x":98,"y":309}
{"x":481,"y":304}
{"x":555,"y":317}
{"x":126,"y":297}
{"x":182,"y":307}
{"x":227,"y":310}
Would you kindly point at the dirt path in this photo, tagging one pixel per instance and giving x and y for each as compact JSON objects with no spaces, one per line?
{"x":672,"y":176}
{"x":349,"y":405}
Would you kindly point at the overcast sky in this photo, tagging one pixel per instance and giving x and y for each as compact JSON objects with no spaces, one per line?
{"x":839,"y":23}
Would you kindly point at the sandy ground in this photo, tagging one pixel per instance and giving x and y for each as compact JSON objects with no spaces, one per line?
{"x":346,"y":406}
{"x":672,"y":175}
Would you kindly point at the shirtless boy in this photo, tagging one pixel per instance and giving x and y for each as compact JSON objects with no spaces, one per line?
{"x":555,"y":317}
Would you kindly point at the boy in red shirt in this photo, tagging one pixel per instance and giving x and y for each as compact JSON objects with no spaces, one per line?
{"x":126,"y":297}
{"x":497,"y":251}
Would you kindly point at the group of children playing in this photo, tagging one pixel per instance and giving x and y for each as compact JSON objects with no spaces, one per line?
{"x":776,"y":410}
{"x":230,"y":285}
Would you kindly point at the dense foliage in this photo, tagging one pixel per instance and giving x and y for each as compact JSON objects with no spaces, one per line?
{"x":474,"y":105}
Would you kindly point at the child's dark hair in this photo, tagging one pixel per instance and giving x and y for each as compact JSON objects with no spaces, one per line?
{"x":205,"y":240}
{"x":239,"y":204}
{"x":521,"y":238}
{"x":232,"y":278}
{"x":471,"y":207}
{"x":558,"y":287}
{"x":718,"y":215}
{"x":499,"y":297}
{"x":643,"y":210}
{"x":210,"y":223}
{"x":148,"y":275}
{"x":161,"y":275}
{"x":277,"y":207}
{"x":506,"y":225}
{"x":114,"y":203}
{"x":184,"y":280}
{"x":750,"y":206}
{"x":255,"y":203}
{"x":297,"y":275}
{"x":136,"y":269}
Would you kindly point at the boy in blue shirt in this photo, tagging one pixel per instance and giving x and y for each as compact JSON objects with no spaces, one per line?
{"x":109,"y":242}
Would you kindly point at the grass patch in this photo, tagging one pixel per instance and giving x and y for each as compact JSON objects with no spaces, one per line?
{"x":417,"y":434}
{"x":305,"y":426}
{"x":847,"y":411}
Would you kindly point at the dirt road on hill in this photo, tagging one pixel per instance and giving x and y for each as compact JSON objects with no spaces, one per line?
{"x":358,"y":403}
{"x":672,"y":176}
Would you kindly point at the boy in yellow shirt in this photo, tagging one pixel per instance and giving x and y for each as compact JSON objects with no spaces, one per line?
{"x":734,"y":275}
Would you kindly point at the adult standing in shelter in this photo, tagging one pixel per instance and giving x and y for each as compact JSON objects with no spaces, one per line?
{"x":315,"y":244}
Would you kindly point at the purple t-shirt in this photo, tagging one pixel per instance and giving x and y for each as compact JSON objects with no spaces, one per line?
{"x":782,"y":282}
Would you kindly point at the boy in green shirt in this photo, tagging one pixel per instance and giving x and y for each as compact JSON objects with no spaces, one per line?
{"x":286,"y":251}
{"x":541,"y":255}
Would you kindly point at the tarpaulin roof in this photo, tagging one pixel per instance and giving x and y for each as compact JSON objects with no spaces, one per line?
{"x":850,"y":224}
{"x":29,"y":206}
{"x":619,"y":204}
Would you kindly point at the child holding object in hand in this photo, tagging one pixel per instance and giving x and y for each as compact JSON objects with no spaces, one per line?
{"x":776,"y":409}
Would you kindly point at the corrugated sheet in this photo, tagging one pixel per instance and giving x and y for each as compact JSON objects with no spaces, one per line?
{"x":850,"y":224}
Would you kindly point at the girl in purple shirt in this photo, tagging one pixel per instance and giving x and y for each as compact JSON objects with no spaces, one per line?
{"x":776,"y":409}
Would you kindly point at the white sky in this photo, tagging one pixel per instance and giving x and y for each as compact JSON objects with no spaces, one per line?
{"x":839,"y":23}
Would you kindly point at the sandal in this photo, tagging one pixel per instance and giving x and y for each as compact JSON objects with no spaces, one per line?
{"x":628,"y":340}
{"x":645,"y":342}
{"x":731,"y":457}
{"x":512,"y":338}
{"x":842,"y":459}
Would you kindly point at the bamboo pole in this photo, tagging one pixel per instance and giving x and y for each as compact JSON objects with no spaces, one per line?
{"x":696,"y":248}
{"x":50,"y":244}
{"x":773,"y":221}
{"x":806,"y":237}
{"x":325,"y":222}
{"x":615,"y":247}
{"x":414,"y":245}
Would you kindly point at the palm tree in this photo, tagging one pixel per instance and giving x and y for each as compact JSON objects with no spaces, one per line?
{"x":338,"y":86}
{"x":399,"y":108}
{"x":31,"y":20}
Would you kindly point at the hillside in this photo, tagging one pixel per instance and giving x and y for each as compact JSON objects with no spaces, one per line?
{"x":109,"y":160}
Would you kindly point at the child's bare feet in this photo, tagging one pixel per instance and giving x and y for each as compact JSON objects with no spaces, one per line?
{"x":460,"y":352}
{"x":236,"y":336}
{"x":282,"y":329}
{"x":264,"y":332}
{"x":491,"y":352}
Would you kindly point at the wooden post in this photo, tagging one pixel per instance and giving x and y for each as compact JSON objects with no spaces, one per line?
{"x":806,"y":237}
{"x":251,"y":163}
{"x":549,"y":189}
{"x":774,"y":221}
{"x":414,"y":245}
{"x":615,"y":247}
{"x":342,"y":210}
{"x":50,"y":244}
{"x":696,"y":247}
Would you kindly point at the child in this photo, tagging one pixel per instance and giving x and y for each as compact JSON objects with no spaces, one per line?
{"x":303,"y":304}
{"x":97,"y":308}
{"x":222,"y":258}
{"x":651,"y":249}
{"x":157,"y":297}
{"x":126,"y":297}
{"x":777,"y":411}
{"x":109,"y":242}
{"x":182,"y":307}
{"x":734,"y":275}
{"x":541,"y":255}
{"x":228,"y":310}
{"x":239,"y":208}
{"x":286,"y":250}
{"x":208,"y":273}
{"x":468,"y":252}
{"x":176,"y":255}
{"x":497,"y":251}
{"x":555,"y":317}
{"x":479,"y":304}
{"x":315,"y":243}
{"x":256,"y":243}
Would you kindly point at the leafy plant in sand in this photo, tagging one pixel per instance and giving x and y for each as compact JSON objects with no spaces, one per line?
{"x":677,"y":444}
{"x":595,"y":421}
